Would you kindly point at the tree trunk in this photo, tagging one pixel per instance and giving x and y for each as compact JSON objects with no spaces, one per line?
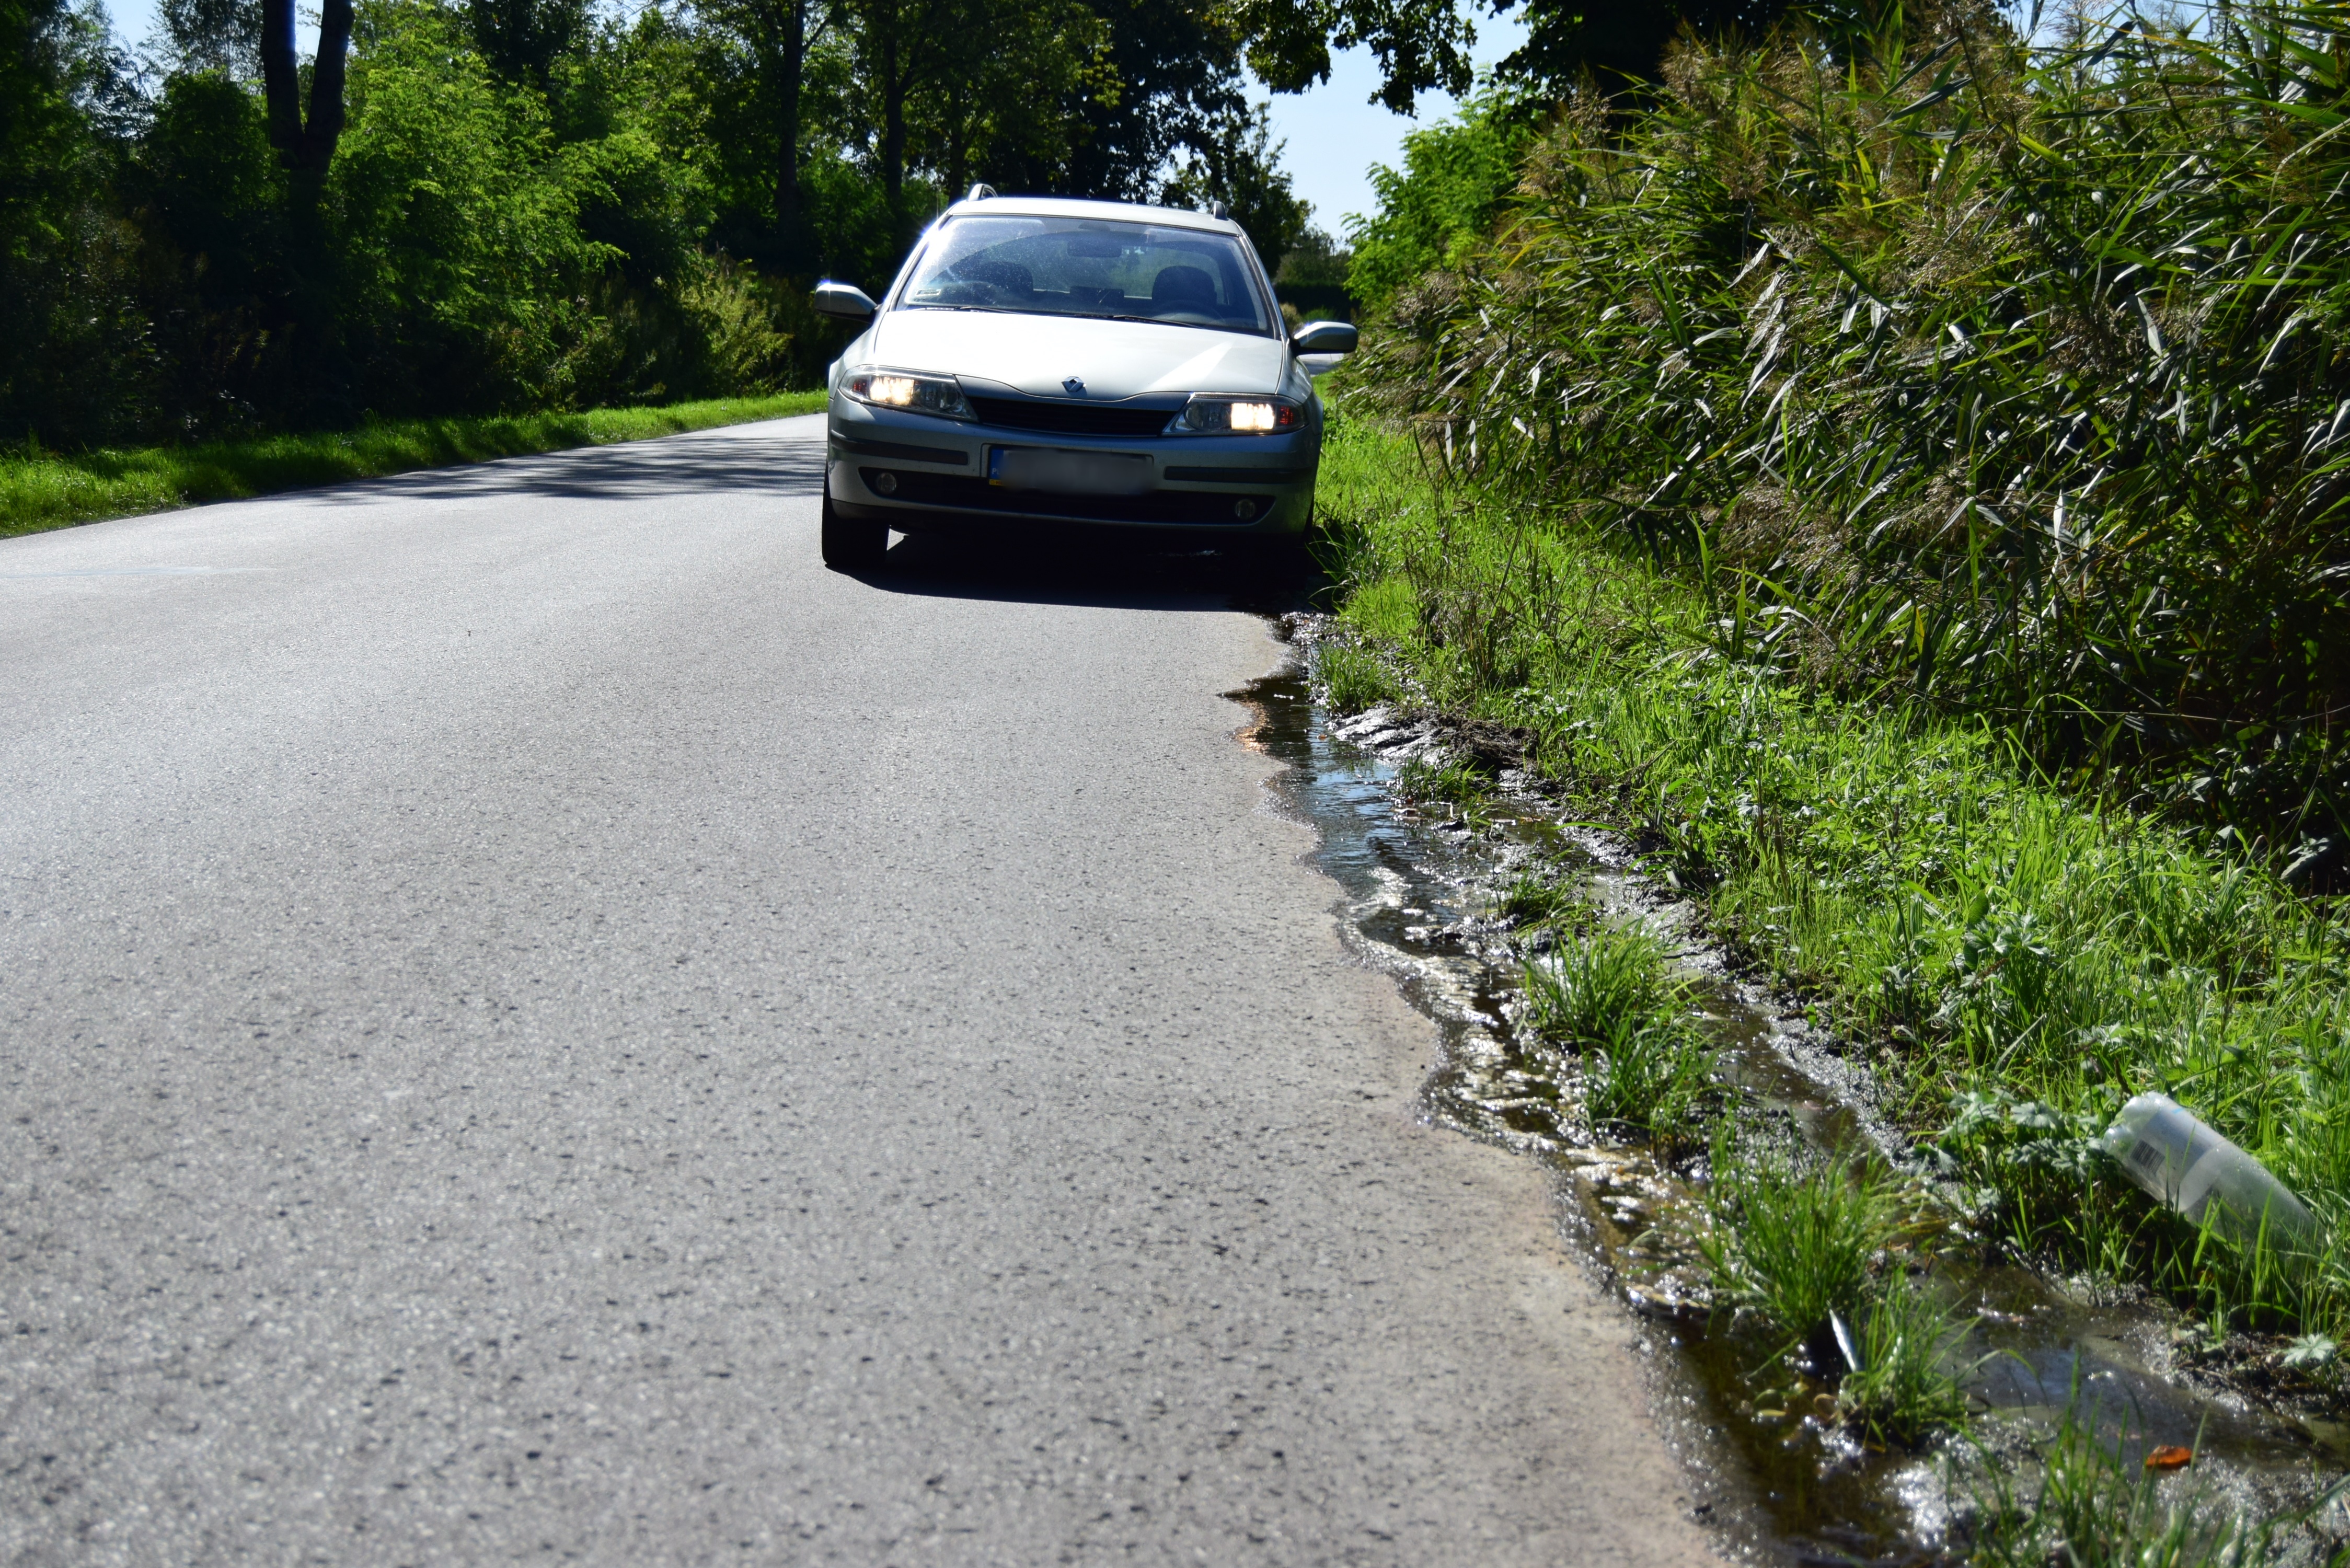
{"x":958,"y":148}
{"x":305,"y":146}
{"x":789,"y":44}
{"x":307,"y":150}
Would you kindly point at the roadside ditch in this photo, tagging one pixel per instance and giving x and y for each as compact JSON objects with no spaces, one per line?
{"x":2067,"y":1385}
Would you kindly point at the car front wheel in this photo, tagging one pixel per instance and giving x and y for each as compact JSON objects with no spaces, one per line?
{"x":850,"y":545}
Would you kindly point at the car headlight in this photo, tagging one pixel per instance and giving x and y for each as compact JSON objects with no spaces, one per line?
{"x":940,"y":395}
{"x":1237,"y":416}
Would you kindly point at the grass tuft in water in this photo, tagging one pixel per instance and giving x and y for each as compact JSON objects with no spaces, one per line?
{"x":1906,"y":1387}
{"x":1613,"y":999}
{"x":2097,"y":1507}
{"x":1533,"y":900}
{"x":1589,"y":994}
{"x":1657,"y":1081}
{"x":1795,"y":1246}
{"x":1353,"y":679}
{"x":1446,"y":782}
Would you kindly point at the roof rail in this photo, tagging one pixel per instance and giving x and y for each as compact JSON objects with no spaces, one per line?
{"x":980,"y":194}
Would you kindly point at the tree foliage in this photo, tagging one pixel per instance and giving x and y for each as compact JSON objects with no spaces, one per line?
{"x":469,"y":205}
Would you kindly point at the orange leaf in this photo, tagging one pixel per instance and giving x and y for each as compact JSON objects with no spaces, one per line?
{"x":2169,"y":1457}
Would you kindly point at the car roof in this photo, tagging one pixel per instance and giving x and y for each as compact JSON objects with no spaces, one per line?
{"x":1078,"y":207}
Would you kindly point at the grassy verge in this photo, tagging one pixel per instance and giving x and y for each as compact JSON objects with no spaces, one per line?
{"x":39,"y":491}
{"x":2016,"y":964}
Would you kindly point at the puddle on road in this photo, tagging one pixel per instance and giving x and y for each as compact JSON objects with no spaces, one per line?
{"x":1416,"y":891}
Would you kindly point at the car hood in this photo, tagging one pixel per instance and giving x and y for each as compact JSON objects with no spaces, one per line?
{"x":1035,"y":354}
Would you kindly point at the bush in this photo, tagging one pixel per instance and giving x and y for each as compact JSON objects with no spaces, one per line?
{"x":454,"y":222}
{"x":1457,"y":175}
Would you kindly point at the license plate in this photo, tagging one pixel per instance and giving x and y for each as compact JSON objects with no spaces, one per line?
{"x":1064,"y":472}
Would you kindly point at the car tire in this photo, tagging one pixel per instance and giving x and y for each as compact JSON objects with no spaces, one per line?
{"x":850,"y":545}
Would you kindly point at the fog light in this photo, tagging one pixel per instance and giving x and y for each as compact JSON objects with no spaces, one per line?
{"x":887,"y":483}
{"x":1243,"y":509}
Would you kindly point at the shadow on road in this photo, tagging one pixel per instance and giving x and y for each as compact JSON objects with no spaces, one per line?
{"x":1078,"y":568}
{"x":737,"y":460}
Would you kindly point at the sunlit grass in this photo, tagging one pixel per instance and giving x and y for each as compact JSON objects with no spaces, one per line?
{"x":1612,"y":1000}
{"x":1966,"y":925}
{"x":1795,"y":1245}
{"x":2096,"y":1506}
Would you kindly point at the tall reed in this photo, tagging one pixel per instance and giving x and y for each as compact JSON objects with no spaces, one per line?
{"x":2000,"y":379}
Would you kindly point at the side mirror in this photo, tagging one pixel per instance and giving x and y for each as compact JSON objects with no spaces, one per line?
{"x":845,"y":300}
{"x":1321,"y":337}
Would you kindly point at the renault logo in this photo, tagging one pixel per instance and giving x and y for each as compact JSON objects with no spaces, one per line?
{"x":1074,"y":385}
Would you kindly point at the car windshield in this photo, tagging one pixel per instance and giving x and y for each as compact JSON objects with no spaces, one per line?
{"x":1083,"y":267}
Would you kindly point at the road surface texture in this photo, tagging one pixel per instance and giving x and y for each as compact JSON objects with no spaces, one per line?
{"x":536,"y":1022}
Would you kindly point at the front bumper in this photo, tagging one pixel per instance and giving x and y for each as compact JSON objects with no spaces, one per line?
{"x":918,"y":474}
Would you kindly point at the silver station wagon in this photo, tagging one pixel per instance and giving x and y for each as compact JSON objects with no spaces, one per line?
{"x":1049,"y":361}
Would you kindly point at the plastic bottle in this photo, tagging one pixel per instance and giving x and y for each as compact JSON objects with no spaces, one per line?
{"x":2168,"y":1150}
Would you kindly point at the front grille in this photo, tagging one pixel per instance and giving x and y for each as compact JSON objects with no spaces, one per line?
{"x":1071,"y":418}
{"x":976,"y":495}
{"x":905,"y":454}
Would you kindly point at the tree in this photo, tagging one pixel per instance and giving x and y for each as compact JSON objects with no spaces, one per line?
{"x":999,"y":110}
{"x":1622,"y":43}
{"x":901,"y":48}
{"x":777,"y":39}
{"x":306,"y":144}
{"x":1423,"y":45}
{"x":1456,"y":177}
{"x":1240,"y":166}
{"x":73,"y":352}
{"x":1174,"y":73}
{"x":217,"y":35}
{"x":1317,"y":260}
{"x":522,"y":40}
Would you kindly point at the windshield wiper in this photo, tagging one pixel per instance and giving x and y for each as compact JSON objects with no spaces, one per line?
{"x":1091,"y":315}
{"x":1154,"y":320}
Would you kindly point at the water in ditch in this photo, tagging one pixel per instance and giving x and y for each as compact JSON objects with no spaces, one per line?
{"x":1780,"y":1478}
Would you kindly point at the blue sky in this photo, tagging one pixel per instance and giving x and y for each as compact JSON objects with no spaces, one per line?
{"x":1334,"y":133}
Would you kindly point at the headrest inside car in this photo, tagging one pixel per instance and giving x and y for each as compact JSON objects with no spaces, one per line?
{"x":1182,"y":285}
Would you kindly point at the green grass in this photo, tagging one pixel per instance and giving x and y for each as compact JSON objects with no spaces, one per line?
{"x":1905,"y":1388}
{"x":1532,"y":900}
{"x":1983,"y":938}
{"x":1598,"y":991}
{"x":1797,"y":1246}
{"x":40,"y":490}
{"x":2094,"y":1507}
{"x":1612,"y":999}
{"x":1450,"y":782}
{"x":1352,"y":678}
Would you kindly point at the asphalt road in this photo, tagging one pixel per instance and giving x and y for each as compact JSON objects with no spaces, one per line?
{"x":537,"y":1022}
